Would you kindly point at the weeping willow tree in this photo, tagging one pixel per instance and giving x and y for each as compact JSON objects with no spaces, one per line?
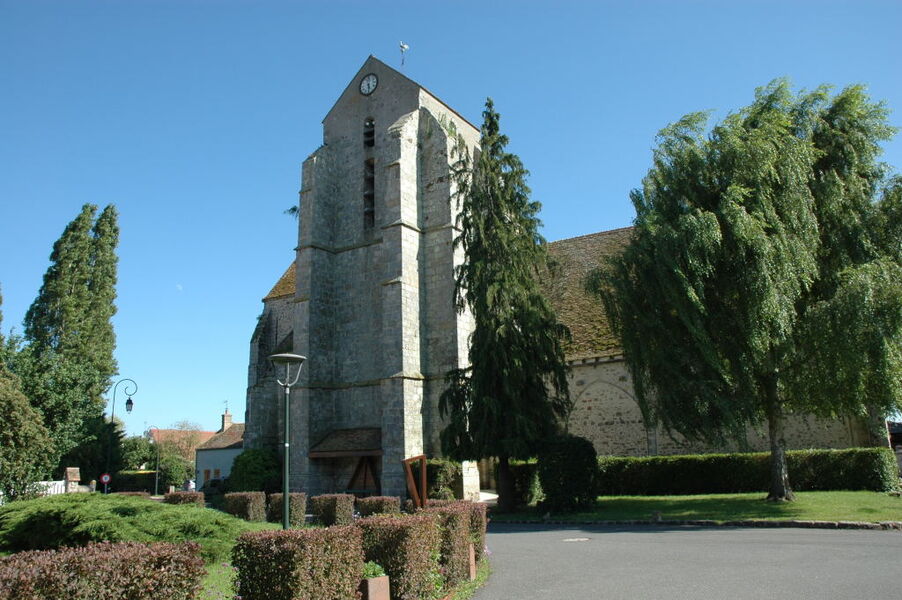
{"x":756,"y":282}
{"x":514,"y":392}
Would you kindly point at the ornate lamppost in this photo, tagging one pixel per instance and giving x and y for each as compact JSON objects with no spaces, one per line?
{"x":129,"y":404}
{"x":156,"y":474}
{"x":288,"y":360}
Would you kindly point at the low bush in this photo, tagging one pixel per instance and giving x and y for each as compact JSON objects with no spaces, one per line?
{"x":250,"y":506}
{"x":372,"y":570}
{"x":297,"y":508}
{"x":196,"y":498}
{"x":375,"y":505}
{"x":444,"y":479}
{"x":407,"y":547}
{"x":79,"y":519}
{"x":333,"y":509}
{"x":809,"y":470}
{"x":104,"y":572}
{"x":133,"y":481}
{"x":299,"y":564}
{"x":255,"y":470}
{"x":454,"y":527}
{"x":567,"y":466}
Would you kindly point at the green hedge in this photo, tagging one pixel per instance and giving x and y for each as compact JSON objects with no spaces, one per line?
{"x":809,"y":470}
{"x":299,"y":564}
{"x":196,"y":498}
{"x":333,"y":509}
{"x":250,"y":506}
{"x":297,"y":509}
{"x":126,"y":570}
{"x":378,"y":505}
{"x":133,"y":481}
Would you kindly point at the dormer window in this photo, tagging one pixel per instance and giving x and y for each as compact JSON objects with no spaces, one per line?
{"x":369,"y":133}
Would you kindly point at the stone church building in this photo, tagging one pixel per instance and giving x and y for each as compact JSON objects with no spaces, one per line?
{"x":369,"y":301}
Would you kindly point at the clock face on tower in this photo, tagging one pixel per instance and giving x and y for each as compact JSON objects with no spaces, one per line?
{"x":368,"y":84}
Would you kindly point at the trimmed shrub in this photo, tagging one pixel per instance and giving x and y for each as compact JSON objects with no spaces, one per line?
{"x":809,"y":470}
{"x":250,"y":506}
{"x":184,"y":498}
{"x":299,"y":564}
{"x":444,"y":479}
{"x":407,"y":547}
{"x":567,"y":466}
{"x":454,"y":527}
{"x":133,"y":494}
{"x":527,"y":489}
{"x":104,"y":572}
{"x":255,"y":470}
{"x":79,"y":519}
{"x":134,"y":481}
{"x":478,"y":524}
{"x":375,"y":505}
{"x":333,"y":509}
{"x":297,"y":509}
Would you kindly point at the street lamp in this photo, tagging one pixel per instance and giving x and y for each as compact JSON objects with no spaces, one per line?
{"x":156,"y":473}
{"x":288,"y":360}
{"x":129,"y":404}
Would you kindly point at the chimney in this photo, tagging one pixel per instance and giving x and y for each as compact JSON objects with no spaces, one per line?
{"x":226,"y":421}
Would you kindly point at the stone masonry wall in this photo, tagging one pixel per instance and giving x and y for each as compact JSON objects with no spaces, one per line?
{"x":606,"y":413}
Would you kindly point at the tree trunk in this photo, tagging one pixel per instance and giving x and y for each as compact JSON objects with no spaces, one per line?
{"x":878,"y":434}
{"x":779,"y":473}
{"x":506,"y":495}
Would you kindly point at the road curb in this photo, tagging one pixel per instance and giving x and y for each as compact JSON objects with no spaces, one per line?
{"x":880,"y":525}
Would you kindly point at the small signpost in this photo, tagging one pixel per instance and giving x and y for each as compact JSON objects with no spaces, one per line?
{"x":105,"y":480}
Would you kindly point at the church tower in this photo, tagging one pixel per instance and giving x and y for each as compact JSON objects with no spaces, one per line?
{"x":372,"y":307}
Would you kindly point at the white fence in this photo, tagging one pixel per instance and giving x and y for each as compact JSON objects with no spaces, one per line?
{"x":51,"y":488}
{"x":46,"y":488}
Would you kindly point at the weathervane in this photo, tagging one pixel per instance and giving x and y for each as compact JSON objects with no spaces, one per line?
{"x":404,"y":48}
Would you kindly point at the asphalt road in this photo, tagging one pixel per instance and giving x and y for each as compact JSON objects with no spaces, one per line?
{"x":675,"y":563}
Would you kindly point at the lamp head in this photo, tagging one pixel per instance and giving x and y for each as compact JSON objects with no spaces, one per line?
{"x":287,"y":359}
{"x":129,"y":404}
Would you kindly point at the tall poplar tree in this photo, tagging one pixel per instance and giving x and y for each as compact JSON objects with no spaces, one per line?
{"x":515,"y":390}
{"x":752,"y":246}
{"x":67,"y":361}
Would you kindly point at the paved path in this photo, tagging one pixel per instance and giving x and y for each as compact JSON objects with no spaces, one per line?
{"x":675,"y":563}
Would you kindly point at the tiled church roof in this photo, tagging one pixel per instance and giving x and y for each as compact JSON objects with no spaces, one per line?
{"x":285,"y":285}
{"x":565,"y":288}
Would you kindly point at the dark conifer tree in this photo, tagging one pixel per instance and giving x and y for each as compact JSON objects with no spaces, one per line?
{"x":501,"y":406}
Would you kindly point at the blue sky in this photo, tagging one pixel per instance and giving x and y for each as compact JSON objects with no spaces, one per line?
{"x":193,"y":116}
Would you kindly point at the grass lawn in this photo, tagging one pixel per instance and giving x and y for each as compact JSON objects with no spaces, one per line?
{"x":217,"y":585}
{"x":809,"y":506}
